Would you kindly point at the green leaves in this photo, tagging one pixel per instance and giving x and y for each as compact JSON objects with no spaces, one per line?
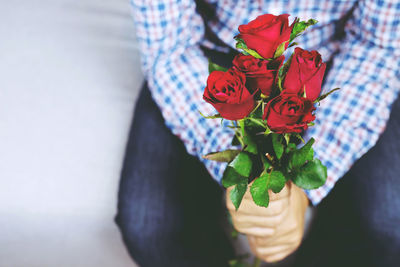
{"x":283,"y":70}
{"x":259,"y":190}
{"x":305,"y":171}
{"x":242,"y":164}
{"x":251,"y":146}
{"x":311,"y":176}
{"x":299,"y":157}
{"x":232,"y":178}
{"x":236,"y":174}
{"x":223,"y":156}
{"x":237,"y":194}
{"x":300,"y":26}
{"x":274,"y":180}
{"x":212,"y":67}
{"x":280,"y":49}
{"x":277,"y":182}
{"x":277,"y":145}
{"x":242,"y":45}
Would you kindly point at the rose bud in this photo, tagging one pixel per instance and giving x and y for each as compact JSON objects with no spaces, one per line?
{"x":306,"y":71}
{"x":289,"y":113}
{"x":226,"y":91}
{"x":266,"y":33}
{"x":260,"y":74}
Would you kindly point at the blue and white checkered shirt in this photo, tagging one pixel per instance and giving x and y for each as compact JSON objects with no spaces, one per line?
{"x":362,"y":38}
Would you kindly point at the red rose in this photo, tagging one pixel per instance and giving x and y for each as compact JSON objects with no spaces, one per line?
{"x":289,"y":113}
{"x":266,"y":33}
{"x":260,"y":74}
{"x":305,"y":71}
{"x":226,"y":91}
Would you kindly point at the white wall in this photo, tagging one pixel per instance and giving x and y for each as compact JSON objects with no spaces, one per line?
{"x":69,"y":75}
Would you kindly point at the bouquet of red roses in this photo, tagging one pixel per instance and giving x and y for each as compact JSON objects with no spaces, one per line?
{"x":270,"y":103}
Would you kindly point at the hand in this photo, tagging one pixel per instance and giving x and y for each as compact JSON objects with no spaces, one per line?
{"x":274,"y":232}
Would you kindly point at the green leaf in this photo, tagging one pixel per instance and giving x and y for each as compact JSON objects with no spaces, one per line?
{"x":280,"y":49}
{"x":300,"y":26}
{"x":237,"y":194}
{"x":242,"y":164}
{"x":242,"y":45}
{"x":311,"y":176}
{"x":290,"y":147}
{"x":287,"y":138}
{"x":299,"y":157}
{"x":259,"y":190}
{"x":283,"y":70}
{"x":223,"y":156}
{"x":251,"y":146}
{"x":278,"y":146}
{"x":325,"y":95}
{"x":213,"y":67}
{"x":258,"y":122}
{"x":277,"y":181}
{"x":231,"y":177}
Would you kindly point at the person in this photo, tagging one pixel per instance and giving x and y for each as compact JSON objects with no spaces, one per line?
{"x":170,"y":210}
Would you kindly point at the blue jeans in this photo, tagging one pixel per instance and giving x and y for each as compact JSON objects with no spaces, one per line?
{"x":170,"y":210}
{"x":165,"y":220}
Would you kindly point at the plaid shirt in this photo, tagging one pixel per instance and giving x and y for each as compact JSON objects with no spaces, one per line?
{"x":362,"y":38}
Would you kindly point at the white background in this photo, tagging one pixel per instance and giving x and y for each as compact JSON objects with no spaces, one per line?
{"x":69,"y":76}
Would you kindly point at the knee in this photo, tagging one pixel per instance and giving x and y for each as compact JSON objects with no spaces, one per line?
{"x":381,"y":222}
{"x":146,"y":229}
{"x":141,"y":227}
{"x":374,"y":188}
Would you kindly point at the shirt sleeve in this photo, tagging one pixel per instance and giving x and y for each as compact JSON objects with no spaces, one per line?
{"x":350,"y":121}
{"x":169,"y":33}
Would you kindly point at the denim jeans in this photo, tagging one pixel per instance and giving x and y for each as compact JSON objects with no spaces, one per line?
{"x":170,"y":210}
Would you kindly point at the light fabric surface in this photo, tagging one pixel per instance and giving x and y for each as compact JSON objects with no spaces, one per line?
{"x":69,"y":75}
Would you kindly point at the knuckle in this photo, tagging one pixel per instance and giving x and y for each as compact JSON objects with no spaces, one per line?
{"x":266,"y":232}
{"x":276,"y":220}
{"x":293,"y":225}
{"x":272,"y":232}
{"x":240,"y":219}
{"x":277,"y":207}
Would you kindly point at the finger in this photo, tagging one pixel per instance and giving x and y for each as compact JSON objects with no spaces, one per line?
{"x":248,"y":207}
{"x":288,"y":238}
{"x":271,"y":251}
{"x":278,"y":256}
{"x":256,"y":231}
{"x":249,"y":221}
{"x":276,"y":204}
{"x":270,"y":254}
